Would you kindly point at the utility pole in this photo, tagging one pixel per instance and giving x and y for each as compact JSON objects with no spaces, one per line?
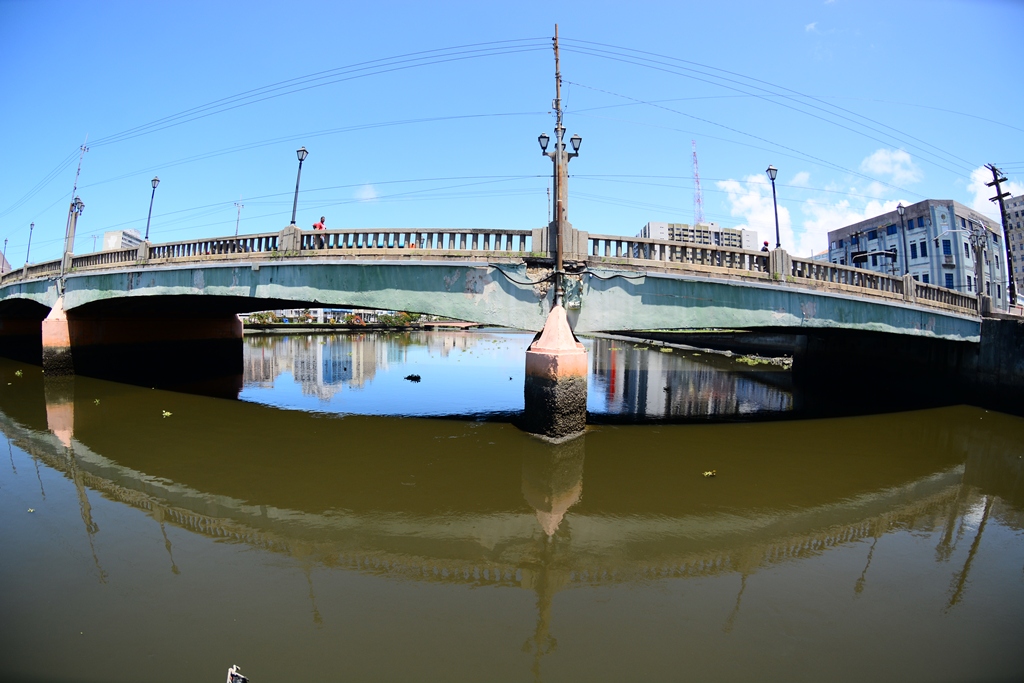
{"x":997,"y":180}
{"x":74,"y":211}
{"x":239,"y":206}
{"x":561,"y":176}
{"x":549,"y":205}
{"x":94,"y":242}
{"x":3,"y":260}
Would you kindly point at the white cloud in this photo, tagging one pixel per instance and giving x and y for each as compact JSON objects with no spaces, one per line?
{"x":811,"y":27}
{"x":751,"y":199}
{"x":980,"y":193}
{"x":801,"y":179}
{"x":366,"y":193}
{"x":821,"y":217}
{"x":895,"y":163}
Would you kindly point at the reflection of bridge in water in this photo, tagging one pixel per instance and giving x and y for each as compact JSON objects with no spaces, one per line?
{"x":529,"y":526}
{"x":545,"y":539}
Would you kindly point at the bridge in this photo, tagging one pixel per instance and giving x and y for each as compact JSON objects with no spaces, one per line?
{"x":497,"y":277}
{"x":165,"y":297}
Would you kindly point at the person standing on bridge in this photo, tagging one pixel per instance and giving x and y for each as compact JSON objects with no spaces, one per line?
{"x":319,"y":225}
{"x":765,"y":247}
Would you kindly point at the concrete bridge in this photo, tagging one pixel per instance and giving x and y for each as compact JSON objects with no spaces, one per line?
{"x":487,"y":276}
{"x":90,"y":310}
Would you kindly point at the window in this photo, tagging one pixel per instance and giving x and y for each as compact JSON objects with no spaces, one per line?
{"x":916,"y":276}
{"x":988,"y":289}
{"x":855,"y":240}
{"x":967,"y":250}
{"x":873,"y":235}
{"x":947,"y":248}
{"x":970,"y":284}
{"x":833,"y":245}
{"x":924,"y":249}
{"x":997,"y":261}
{"x":840,"y":244}
{"x":920,"y":222}
{"x":999,"y":291}
{"x":891,"y":230}
{"x":913,"y":250}
{"x":842,"y":262}
{"x":874,"y":259}
{"x":963,"y":223}
{"x":925,"y":278}
{"x":949,"y":280}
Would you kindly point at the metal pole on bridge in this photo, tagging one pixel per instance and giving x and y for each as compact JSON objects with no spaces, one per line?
{"x":900,"y":209}
{"x":772,"y":172}
{"x":31,"y":227}
{"x":302,"y":154}
{"x":154,"y":182}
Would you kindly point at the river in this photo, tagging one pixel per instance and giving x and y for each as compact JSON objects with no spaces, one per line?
{"x":322,"y":517}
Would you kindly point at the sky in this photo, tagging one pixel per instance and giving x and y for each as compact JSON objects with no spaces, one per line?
{"x":426,"y":115}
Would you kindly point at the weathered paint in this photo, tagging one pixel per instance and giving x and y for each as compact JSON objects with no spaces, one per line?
{"x":555,"y":389}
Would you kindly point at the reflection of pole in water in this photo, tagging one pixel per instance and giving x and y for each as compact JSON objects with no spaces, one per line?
{"x":552,"y":483}
{"x":10,"y":452}
{"x":158,"y":515}
{"x":946,"y":545}
{"x":731,"y":621}
{"x":85,"y":508}
{"x":959,"y":583}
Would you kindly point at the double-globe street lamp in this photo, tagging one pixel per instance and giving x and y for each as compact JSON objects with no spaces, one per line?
{"x":772,"y":172}
{"x":560,"y":159}
{"x":302,"y":154}
{"x":154,"y":182}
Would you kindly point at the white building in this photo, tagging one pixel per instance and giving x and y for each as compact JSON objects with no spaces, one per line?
{"x":938,"y":241}
{"x":121,"y":239}
{"x":702,"y":233}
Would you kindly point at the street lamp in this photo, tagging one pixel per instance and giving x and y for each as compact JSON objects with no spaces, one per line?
{"x":154,"y":182}
{"x":772,"y":172}
{"x":301,"y":153}
{"x":560,"y":158}
{"x":31,"y":227}
{"x":900,"y":209}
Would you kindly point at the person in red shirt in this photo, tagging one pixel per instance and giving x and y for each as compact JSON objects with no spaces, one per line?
{"x":319,"y":225}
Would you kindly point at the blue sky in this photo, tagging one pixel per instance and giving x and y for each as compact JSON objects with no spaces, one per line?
{"x":859,"y":104}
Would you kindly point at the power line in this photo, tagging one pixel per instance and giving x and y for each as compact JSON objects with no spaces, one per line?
{"x":631,"y":53}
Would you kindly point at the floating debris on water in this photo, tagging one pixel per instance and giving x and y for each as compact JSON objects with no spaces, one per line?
{"x":166,"y":413}
{"x":18,"y":373}
{"x":711,"y":473}
{"x":96,"y":401}
{"x":413,"y":378}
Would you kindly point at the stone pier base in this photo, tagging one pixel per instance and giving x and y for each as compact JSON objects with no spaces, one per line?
{"x":57,"y":359}
{"x":556,"y":381}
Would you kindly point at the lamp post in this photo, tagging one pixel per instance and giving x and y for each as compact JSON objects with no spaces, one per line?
{"x":74,"y":211}
{"x":560,"y":158}
{"x":772,"y":172}
{"x":154,"y":182}
{"x":900,"y":209}
{"x":302,"y":154}
{"x":31,"y":227}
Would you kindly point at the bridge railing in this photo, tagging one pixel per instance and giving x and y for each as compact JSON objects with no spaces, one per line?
{"x":927,"y":292}
{"x":242,"y":244}
{"x":105,"y":258}
{"x":823,"y":271}
{"x":503,"y":241}
{"x":613,"y":247}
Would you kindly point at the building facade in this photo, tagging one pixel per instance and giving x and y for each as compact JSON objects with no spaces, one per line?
{"x":701,"y":233}
{"x":1015,"y":236}
{"x":121,"y":239}
{"x":938,"y":247}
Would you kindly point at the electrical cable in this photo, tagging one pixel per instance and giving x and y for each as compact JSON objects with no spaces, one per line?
{"x":625,"y":52}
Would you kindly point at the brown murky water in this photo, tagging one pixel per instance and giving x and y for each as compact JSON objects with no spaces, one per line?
{"x":289,"y":534}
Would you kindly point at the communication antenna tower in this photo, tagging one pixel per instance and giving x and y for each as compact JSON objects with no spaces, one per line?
{"x":698,"y":196}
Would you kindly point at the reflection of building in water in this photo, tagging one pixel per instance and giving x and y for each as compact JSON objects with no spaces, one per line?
{"x":323,"y":364}
{"x":648,"y":383}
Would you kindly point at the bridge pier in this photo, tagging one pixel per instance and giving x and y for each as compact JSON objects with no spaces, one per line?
{"x":555,"y":390}
{"x":57,"y":359}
